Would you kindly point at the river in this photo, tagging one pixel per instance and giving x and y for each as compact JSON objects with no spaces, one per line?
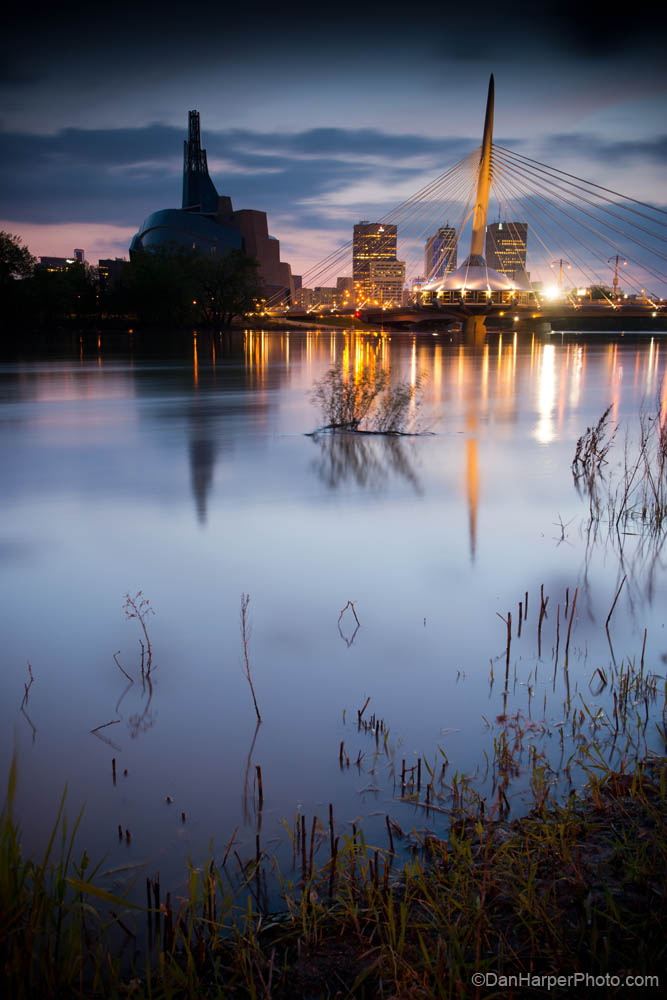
{"x":186,"y":474}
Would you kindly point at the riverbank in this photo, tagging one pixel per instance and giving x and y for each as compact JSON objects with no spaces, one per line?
{"x":572,"y":890}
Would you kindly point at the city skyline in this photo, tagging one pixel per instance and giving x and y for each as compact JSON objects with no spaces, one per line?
{"x":306,"y":121}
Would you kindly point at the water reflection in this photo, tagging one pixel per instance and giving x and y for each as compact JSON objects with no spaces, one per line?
{"x":545,"y":430}
{"x":189,"y":473}
{"x":367,"y":461}
{"x":203,"y":454}
{"x":252,"y":812}
{"x":348,"y":624}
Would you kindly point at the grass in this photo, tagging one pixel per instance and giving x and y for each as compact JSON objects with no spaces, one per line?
{"x":637,"y":495}
{"x":574,"y":887}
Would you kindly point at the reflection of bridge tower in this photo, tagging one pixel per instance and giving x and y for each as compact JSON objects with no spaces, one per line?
{"x":472,"y":480}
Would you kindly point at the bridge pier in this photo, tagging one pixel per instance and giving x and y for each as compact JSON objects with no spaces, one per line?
{"x":474,"y":331}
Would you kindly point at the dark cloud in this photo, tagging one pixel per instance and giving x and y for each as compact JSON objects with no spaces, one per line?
{"x":121,"y":175}
{"x":589,"y":146}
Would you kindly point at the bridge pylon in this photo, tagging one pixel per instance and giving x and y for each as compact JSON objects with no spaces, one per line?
{"x":474,"y":330}
{"x":483,"y":179}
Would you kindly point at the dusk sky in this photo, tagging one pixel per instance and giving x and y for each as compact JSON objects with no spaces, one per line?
{"x":320,"y":117}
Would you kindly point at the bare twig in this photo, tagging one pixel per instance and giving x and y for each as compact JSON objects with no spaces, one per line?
{"x":24,"y":702}
{"x":139,"y":607}
{"x":350,"y":640}
{"x":122,"y":669}
{"x":350,"y":604}
{"x":96,"y":732}
{"x":245,"y":636}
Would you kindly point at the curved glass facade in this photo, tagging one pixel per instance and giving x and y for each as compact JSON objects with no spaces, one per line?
{"x":175,"y":228}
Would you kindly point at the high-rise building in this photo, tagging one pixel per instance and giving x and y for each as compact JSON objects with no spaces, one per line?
{"x":387,"y":278}
{"x":376,"y":272}
{"x":440,"y":253}
{"x":506,"y":247}
{"x":371,"y":241}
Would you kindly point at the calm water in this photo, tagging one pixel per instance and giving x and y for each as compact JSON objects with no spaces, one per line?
{"x":192,"y":479}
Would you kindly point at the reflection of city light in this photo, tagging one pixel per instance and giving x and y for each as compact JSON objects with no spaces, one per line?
{"x":437,"y":373}
{"x":649,"y":367}
{"x":544,"y":432}
{"x":576,"y":377}
{"x":485,"y":373}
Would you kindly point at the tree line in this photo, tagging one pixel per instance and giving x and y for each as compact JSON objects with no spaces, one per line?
{"x":167,"y":289}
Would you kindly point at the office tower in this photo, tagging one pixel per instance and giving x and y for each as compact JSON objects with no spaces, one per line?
{"x":440,"y":253}
{"x":371,"y":241}
{"x":377,"y":274}
{"x":506,"y":247}
{"x":386,"y":279}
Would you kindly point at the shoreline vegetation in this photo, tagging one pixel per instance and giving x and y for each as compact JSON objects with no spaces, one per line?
{"x":573,"y":888}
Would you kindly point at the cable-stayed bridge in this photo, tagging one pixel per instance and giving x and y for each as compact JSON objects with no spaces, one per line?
{"x":590,"y":251}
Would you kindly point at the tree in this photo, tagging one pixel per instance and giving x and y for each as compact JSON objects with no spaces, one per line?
{"x":16,"y":261}
{"x":228,"y":287}
{"x":161,"y":287}
{"x":61,"y":296}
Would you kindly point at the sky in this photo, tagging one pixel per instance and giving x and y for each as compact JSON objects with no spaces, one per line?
{"x":320,"y":117}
